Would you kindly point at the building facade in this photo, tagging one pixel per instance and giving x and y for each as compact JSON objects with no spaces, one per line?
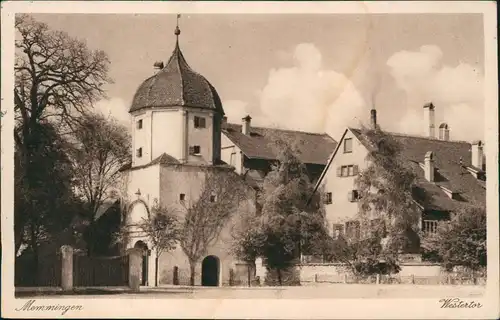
{"x":180,"y":133}
{"x":451,"y":173}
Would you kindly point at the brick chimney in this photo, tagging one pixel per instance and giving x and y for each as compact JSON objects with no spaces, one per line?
{"x":444,"y":132}
{"x":477,"y":154}
{"x":429,"y":120}
{"x":373,"y":119}
{"x":245,"y":125}
{"x":429,"y":166}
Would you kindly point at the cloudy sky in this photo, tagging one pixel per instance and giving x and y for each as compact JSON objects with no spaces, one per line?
{"x":306,"y":72}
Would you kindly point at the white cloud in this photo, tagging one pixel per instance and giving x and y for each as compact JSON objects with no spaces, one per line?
{"x":305,"y":97}
{"x":116,"y":108}
{"x":457,"y":92}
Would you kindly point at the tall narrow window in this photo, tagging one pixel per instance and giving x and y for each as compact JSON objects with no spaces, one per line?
{"x":338,"y":230}
{"x":328,"y":198}
{"x":348,"y":145}
{"x":139,"y":124}
{"x":350,"y":170}
{"x":345,"y":171}
{"x":232,"y":160}
{"x":138,"y":153}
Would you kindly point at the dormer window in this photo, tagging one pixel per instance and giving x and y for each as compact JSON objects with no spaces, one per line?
{"x":139,"y":124}
{"x":348,"y":145}
{"x":138,"y":153}
{"x":199,"y":122}
{"x":213,"y":198}
{"x":182,"y":197}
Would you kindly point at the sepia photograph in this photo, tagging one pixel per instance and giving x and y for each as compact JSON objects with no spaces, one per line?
{"x":249,"y":155}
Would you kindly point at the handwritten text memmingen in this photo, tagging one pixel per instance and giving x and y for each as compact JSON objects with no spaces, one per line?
{"x":30,"y":306}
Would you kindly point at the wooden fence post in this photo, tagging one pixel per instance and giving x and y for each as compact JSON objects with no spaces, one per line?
{"x":67,"y":268}
{"x":134,"y":268}
{"x":378,"y":278}
{"x":345,"y":277}
{"x":412,"y":279}
{"x":315,"y":277}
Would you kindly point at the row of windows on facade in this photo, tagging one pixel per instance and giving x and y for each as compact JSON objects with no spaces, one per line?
{"x":193,"y":150}
{"x":199,"y":122}
{"x":352,"y":229}
{"x":352,"y":196}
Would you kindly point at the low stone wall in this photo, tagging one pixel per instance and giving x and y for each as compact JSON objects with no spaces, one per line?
{"x":411,"y":273}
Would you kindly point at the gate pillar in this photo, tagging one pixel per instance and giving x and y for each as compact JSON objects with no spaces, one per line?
{"x":67,"y":268}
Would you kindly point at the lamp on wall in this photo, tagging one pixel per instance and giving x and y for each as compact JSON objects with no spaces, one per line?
{"x":138,"y":193}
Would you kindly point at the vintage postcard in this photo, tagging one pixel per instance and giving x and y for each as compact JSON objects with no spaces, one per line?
{"x":234,"y":160}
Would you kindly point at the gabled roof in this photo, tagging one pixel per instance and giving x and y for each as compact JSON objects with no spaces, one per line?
{"x":451,"y":159}
{"x":314,"y":148}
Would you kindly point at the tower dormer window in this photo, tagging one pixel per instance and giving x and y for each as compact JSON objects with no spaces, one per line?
{"x":139,"y":124}
{"x":199,"y":122}
{"x":138,"y":153}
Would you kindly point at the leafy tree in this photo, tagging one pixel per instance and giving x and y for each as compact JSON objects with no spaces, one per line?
{"x":461,"y":242}
{"x":102,"y":147}
{"x":387,"y":191}
{"x":363,"y":256}
{"x":56,"y":79}
{"x":161,"y":228}
{"x":291,"y":222}
{"x":247,"y":241}
{"x":44,"y":202}
{"x":220,"y":195}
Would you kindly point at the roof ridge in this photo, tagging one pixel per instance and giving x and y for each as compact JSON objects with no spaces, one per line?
{"x":416,"y":136}
{"x":287,"y":130}
{"x":178,"y":53}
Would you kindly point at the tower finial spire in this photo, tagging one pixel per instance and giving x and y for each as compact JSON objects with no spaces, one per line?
{"x":177,"y":31}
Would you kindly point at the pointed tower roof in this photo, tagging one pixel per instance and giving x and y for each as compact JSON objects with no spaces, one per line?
{"x":176,"y":85}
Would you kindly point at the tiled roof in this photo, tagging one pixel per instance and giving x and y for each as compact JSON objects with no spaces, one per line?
{"x":176,"y":85}
{"x":314,"y":148}
{"x":451,"y":159}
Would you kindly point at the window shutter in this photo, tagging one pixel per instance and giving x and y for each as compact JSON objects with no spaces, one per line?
{"x":339,"y":171}
{"x":350,"y":196}
{"x":355,"y":170}
{"x":191,"y":150}
{"x":202,"y":123}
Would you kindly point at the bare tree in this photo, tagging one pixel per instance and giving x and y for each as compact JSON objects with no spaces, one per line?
{"x":102,"y":148}
{"x":56,"y":78}
{"x":205,"y":217}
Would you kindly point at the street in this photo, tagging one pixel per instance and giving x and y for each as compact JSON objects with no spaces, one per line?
{"x":323,"y":291}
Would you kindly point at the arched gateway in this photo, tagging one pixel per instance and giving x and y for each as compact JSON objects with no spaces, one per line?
{"x":210,"y":269}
